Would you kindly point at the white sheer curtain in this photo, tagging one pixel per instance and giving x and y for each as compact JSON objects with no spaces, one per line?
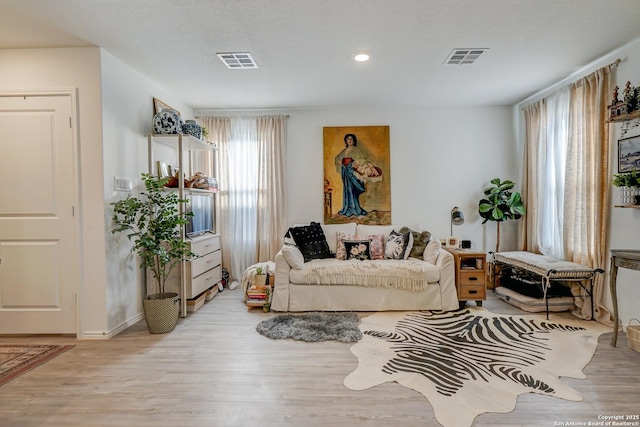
{"x":242,"y":173}
{"x":250,"y":171}
{"x":551,"y":174}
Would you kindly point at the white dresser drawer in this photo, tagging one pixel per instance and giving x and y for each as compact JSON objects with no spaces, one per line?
{"x":205,"y":244}
{"x":207,"y":262}
{"x":204,"y":281}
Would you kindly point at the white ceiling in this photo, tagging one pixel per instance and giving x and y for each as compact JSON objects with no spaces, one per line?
{"x":303,"y":47}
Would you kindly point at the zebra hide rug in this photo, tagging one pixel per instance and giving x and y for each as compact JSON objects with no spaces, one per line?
{"x":472,"y":361}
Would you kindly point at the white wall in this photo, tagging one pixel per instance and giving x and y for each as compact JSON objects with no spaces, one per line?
{"x":33,"y":69}
{"x":440,"y":158}
{"x":127,"y":106}
{"x":624,"y":225}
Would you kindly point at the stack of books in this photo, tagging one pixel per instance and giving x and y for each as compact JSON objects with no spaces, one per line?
{"x":256,"y":297}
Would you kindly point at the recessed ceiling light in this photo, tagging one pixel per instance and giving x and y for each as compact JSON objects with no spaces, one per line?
{"x":361,"y":56}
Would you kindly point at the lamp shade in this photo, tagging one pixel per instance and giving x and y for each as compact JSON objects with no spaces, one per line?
{"x":456,"y":218}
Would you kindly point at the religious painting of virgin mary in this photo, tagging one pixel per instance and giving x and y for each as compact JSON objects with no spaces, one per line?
{"x":357,"y":185}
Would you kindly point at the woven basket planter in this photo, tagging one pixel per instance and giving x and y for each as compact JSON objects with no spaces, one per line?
{"x":161,"y":312}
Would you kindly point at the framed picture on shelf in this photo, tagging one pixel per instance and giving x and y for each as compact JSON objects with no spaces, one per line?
{"x":629,"y":154}
{"x":453,"y":242}
{"x":159,"y":105}
{"x":174,"y":171}
{"x":163,"y":169}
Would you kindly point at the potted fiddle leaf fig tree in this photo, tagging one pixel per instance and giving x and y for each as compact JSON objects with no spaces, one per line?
{"x":500,"y":204}
{"x":153,"y":223}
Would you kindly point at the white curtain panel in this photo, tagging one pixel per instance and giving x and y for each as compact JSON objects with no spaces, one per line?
{"x":219,"y":133}
{"x":252,"y":201}
{"x":272,"y":194}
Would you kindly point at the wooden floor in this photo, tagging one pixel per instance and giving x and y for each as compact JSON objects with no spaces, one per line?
{"x":215,"y":370}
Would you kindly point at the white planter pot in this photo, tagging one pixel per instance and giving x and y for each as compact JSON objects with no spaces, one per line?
{"x":260,"y":280}
{"x":627,"y":195}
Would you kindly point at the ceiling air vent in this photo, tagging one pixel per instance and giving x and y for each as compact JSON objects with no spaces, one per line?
{"x":464,"y":56}
{"x":237,"y":60}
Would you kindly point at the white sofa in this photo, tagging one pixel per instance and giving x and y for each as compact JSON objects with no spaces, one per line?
{"x":301,"y":286}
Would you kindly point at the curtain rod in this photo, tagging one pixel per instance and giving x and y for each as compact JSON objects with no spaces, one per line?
{"x":554,"y":86}
{"x":220,"y":114}
{"x":238,"y":114}
{"x":237,"y":111}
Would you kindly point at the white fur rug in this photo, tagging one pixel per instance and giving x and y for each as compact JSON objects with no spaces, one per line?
{"x":472,"y":361}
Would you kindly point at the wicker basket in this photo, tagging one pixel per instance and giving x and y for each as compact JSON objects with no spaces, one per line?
{"x":633,"y":335}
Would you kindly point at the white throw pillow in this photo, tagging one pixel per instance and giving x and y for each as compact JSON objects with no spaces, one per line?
{"x":330,"y":231}
{"x":293,"y":256}
{"x":432,"y":250}
{"x":385,"y":230}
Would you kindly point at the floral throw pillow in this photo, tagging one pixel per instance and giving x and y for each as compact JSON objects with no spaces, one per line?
{"x":341,"y":252}
{"x":397,"y":245}
{"x":358,"y":249}
{"x":377,"y":244}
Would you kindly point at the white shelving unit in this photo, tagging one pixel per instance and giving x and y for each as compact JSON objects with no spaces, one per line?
{"x":196,"y":276}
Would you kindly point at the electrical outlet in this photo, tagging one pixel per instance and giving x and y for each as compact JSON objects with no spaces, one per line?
{"x":122,"y":184}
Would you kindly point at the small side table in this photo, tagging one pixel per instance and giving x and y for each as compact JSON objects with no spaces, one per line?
{"x":470,"y":268}
{"x":624,"y":258}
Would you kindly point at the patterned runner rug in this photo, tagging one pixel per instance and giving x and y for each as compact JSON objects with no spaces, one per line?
{"x":473,"y":361}
{"x":15,"y":360}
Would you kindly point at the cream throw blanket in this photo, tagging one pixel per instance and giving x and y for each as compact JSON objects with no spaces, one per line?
{"x":401,"y":274}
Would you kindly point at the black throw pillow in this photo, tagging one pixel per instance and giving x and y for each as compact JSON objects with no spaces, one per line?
{"x":358,"y":249}
{"x":311,"y":241}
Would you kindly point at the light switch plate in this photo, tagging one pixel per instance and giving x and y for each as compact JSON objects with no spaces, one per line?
{"x":122,"y":184}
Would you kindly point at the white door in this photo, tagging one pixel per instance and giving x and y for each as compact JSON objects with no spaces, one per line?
{"x":37,"y":223}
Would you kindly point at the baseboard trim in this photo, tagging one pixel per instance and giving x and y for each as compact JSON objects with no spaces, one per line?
{"x":104,"y":335}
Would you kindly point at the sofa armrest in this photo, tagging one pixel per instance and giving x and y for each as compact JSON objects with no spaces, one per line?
{"x":445,"y":261}
{"x":444,"y":258}
{"x":280,"y":297}
{"x":449,"y":293}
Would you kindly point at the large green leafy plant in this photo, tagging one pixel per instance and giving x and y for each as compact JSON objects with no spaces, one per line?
{"x":500,"y":204}
{"x":627,"y":179}
{"x":153,"y":223}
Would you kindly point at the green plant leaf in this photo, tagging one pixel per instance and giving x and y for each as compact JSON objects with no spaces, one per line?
{"x":153,"y":223}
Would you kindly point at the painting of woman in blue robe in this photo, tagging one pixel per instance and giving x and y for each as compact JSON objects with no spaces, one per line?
{"x":354,"y":170}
